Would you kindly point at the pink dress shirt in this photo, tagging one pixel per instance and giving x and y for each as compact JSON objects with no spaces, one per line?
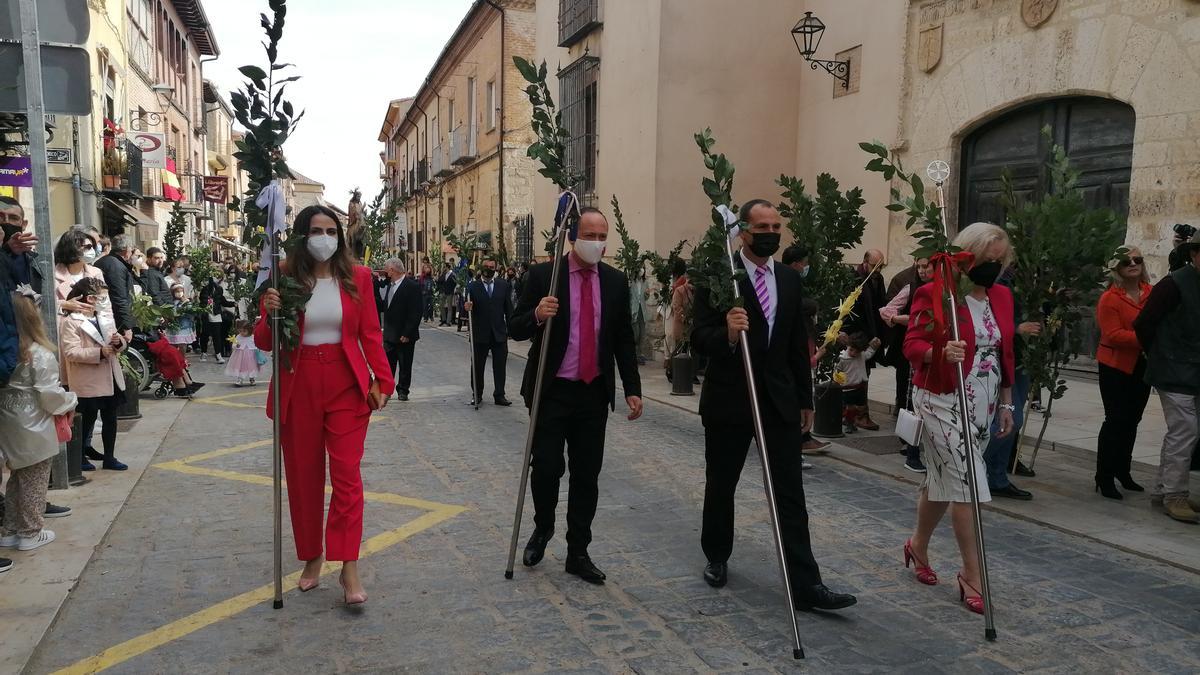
{"x":569,"y":369}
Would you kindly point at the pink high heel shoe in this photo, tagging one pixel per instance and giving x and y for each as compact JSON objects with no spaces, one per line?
{"x":973,"y":602}
{"x":351,"y":598}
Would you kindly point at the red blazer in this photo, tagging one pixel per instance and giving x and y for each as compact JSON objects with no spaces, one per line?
{"x":917,"y":340}
{"x":362,"y":341}
{"x":1119,"y":347}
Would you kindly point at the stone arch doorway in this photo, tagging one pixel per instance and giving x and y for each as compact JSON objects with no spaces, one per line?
{"x":1097,"y":134}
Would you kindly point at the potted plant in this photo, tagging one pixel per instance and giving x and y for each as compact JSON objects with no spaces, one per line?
{"x":113,"y":167}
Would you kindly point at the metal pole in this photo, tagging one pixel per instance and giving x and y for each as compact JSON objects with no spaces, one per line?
{"x":760,"y":439}
{"x":35,"y":117}
{"x":277,"y":450}
{"x":989,"y":624}
{"x":555,"y":267}
{"x":475,"y":395}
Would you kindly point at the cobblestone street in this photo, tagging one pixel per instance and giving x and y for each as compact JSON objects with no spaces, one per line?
{"x":182,"y":582}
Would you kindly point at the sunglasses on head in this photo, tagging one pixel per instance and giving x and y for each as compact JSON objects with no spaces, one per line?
{"x":1135,"y":260}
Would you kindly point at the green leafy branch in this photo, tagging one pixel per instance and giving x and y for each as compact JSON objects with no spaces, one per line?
{"x":710,"y":269}
{"x":465,"y":245}
{"x":376,"y":220}
{"x":924,"y":217}
{"x":629,"y":258}
{"x":550,"y":149}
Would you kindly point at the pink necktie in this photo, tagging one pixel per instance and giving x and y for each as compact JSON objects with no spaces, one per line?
{"x":764,"y":296}
{"x":588,"y":365}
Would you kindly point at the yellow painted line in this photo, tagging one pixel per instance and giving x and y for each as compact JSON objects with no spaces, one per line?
{"x":226,"y":397}
{"x":158,"y":637}
{"x":222,"y":452}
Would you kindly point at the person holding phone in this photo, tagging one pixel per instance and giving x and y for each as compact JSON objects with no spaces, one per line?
{"x":332,"y":381}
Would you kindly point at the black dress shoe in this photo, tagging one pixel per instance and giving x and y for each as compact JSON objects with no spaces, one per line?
{"x":1013,"y":492}
{"x":503,"y":401}
{"x":91,"y":453}
{"x":820,"y":597}
{"x":402,"y":397}
{"x":535,"y":550}
{"x":1023,"y":470}
{"x":582,"y":567}
{"x":1128,"y":483}
{"x":716,"y":574}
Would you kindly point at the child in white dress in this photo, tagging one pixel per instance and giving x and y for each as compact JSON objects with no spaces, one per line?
{"x":245,"y":362}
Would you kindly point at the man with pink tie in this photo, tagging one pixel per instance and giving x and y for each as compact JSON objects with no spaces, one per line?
{"x":593,"y":329}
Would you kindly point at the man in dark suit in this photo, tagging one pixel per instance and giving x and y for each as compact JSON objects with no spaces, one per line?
{"x":118,"y":276}
{"x":489,"y":300}
{"x":592,"y":329}
{"x":448,"y":288}
{"x":778,"y":340}
{"x":400,"y":301}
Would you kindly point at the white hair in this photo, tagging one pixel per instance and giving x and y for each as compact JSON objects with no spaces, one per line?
{"x":977,"y":237}
{"x":396,"y":264}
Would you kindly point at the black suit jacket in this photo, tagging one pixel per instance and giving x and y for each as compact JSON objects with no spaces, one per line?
{"x":156,"y":286}
{"x":118,"y":276}
{"x":781,"y":364}
{"x":490,"y":315}
{"x":402,"y":318}
{"x":616,"y":329}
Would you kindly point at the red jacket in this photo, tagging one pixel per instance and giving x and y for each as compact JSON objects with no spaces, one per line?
{"x":362,"y":341}
{"x":917,"y":340}
{"x":1119,"y":347}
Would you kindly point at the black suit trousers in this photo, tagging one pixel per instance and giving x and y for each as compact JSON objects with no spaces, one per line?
{"x":499,"y":352}
{"x":576,"y":414}
{"x":725,"y":449}
{"x":400,"y":358}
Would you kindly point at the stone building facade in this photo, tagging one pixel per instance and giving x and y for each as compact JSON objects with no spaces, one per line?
{"x":451,"y":146}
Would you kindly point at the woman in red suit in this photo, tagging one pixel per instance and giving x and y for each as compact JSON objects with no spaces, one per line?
{"x":985,"y":319}
{"x":336,"y":377}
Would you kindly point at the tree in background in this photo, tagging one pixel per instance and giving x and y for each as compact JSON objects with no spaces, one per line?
{"x":173,"y":240}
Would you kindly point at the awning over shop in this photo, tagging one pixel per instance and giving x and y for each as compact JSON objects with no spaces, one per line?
{"x":230,"y":244}
{"x":130,"y":215}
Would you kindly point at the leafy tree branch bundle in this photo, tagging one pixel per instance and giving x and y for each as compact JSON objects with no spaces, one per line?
{"x":709,"y":268}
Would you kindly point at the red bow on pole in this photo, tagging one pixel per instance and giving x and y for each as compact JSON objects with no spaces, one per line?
{"x":946,"y":268}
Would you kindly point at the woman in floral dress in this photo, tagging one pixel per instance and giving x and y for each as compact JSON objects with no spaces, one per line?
{"x":986,"y":352}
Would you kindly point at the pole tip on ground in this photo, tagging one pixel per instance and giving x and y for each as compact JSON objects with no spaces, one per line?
{"x":508,"y":574}
{"x":278,"y":604}
{"x":798,"y":654}
{"x":990,"y":634}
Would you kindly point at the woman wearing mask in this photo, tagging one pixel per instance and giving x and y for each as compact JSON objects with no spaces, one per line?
{"x":74,"y":254}
{"x":1122,"y":371}
{"x":90,"y":347}
{"x":338,"y":374}
{"x":985,"y":350}
{"x":427,"y":281}
{"x":217,"y":307}
{"x":179,"y":276}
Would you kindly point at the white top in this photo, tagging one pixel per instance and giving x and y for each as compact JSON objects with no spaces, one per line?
{"x":855,"y":367}
{"x":772,"y":287}
{"x":323,"y":314}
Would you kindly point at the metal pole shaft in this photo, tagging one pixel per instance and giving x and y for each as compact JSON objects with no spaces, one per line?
{"x":277,"y":450}
{"x":476,"y":387}
{"x":989,"y":625}
{"x":35,"y":116}
{"x":760,"y":439}
{"x":543,"y":351}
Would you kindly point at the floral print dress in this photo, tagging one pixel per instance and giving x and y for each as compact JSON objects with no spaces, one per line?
{"x":942,"y":447}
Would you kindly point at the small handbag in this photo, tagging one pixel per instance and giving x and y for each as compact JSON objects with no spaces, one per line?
{"x":62,"y":425}
{"x":909,"y":426}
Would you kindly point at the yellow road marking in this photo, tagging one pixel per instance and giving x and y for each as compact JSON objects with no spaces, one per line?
{"x":225,"y":397}
{"x":117,"y":654}
{"x":158,"y":637}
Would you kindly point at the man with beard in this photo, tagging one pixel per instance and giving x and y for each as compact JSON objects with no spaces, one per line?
{"x":865,"y":319}
{"x":118,"y":276}
{"x":489,"y":300}
{"x":20,"y":260}
{"x":154,"y":281}
{"x":777,"y":336}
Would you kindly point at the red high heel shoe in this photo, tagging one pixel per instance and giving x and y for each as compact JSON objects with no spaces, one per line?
{"x":348,"y":597}
{"x":925,"y":573}
{"x":973,"y":602}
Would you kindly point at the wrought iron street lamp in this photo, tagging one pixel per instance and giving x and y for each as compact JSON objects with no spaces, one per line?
{"x":807,"y":35}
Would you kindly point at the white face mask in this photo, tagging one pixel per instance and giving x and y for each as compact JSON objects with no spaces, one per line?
{"x":590,"y":251}
{"x":322,"y":246}
{"x":89,"y":255}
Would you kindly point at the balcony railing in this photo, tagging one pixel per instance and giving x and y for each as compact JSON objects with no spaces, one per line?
{"x":438,"y":163}
{"x":462,"y":145}
{"x":423,"y":171}
{"x":576,"y":18}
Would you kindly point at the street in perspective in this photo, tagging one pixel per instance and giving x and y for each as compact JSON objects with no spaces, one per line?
{"x":595,"y":336}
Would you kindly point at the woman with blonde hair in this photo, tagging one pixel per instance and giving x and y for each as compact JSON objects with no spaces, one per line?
{"x":28,"y":435}
{"x":1122,"y":365}
{"x":985,"y":349}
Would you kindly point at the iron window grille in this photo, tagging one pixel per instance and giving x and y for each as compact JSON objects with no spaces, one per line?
{"x":576,"y":18}
{"x":578,"y":94}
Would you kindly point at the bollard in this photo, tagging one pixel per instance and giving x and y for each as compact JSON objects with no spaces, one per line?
{"x":827,"y":422}
{"x":683,"y":370}
{"x":75,"y":454}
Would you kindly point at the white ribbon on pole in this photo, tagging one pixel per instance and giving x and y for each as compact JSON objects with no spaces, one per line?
{"x":270,"y":199}
{"x":730,"y":218}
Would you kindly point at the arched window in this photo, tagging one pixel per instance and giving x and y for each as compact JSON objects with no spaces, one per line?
{"x":1097,"y":134}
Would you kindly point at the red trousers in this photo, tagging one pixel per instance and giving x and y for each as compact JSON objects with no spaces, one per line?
{"x":328,"y":414}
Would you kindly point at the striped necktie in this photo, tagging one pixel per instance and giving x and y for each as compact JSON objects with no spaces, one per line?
{"x":764,"y":295}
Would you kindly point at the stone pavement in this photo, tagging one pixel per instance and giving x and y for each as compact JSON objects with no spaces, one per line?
{"x":176,"y":586}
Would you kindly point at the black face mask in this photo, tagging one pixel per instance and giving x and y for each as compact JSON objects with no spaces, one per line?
{"x":764,"y":244}
{"x":985,"y":274}
{"x":488,"y":273}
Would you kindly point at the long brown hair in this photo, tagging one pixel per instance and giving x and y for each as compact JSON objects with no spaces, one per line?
{"x":29,"y":327}
{"x":302,"y":263}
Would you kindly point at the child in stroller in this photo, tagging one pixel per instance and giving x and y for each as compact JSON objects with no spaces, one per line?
{"x":171,"y":366}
